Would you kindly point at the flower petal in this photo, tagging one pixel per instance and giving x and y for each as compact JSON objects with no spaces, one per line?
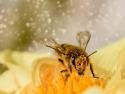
{"x":43,"y":70}
{"x":121,"y":57}
{"x":19,"y":65}
{"x":23,"y":59}
{"x":105,"y":59}
{"x":28,"y":89}
{"x":115,"y":84}
{"x":93,"y":90}
{"x":8,"y":83}
{"x":22,"y":77}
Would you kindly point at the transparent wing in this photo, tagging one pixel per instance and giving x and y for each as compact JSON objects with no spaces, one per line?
{"x":50,"y":42}
{"x":83,"y":38}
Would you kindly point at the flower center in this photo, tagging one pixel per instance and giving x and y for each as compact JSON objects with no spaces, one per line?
{"x":74,"y":85}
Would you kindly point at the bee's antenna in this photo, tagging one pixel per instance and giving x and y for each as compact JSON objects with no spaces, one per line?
{"x":91,"y":53}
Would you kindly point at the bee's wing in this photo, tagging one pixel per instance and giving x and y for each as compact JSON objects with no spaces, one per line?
{"x":50,"y":42}
{"x":83,"y":38}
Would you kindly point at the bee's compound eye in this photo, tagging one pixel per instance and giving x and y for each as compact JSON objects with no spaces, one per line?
{"x":73,"y":61}
{"x":73,"y":58}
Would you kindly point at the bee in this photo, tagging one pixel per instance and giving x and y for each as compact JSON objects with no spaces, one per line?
{"x":73,"y":58}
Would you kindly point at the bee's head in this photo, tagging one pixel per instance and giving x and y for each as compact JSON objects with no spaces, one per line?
{"x":80,"y":63}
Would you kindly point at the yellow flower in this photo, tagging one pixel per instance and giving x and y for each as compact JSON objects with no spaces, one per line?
{"x":46,"y":83}
{"x":108,"y":63}
{"x":35,"y":73}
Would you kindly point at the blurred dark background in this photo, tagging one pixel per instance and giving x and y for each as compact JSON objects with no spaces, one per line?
{"x":22,"y":21}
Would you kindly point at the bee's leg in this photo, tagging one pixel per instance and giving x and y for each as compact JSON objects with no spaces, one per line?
{"x":61,"y":61}
{"x":66,"y":74}
{"x":64,"y":70}
{"x":92,"y":71}
{"x":69,"y":66}
{"x":62,"y":64}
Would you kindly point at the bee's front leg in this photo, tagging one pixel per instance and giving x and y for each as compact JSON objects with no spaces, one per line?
{"x":65,"y":71}
{"x":92,"y":71}
{"x":66,"y":74}
{"x":61,"y":61}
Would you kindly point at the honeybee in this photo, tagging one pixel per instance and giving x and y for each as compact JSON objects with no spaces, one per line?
{"x":70,"y":56}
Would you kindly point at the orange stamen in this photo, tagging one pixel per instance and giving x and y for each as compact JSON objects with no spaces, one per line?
{"x":74,"y":85}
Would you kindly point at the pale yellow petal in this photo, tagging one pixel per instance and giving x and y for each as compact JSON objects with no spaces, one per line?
{"x":8,"y":83}
{"x":21,"y":76}
{"x":19,"y":64}
{"x":115,"y":84}
{"x":43,"y":70}
{"x":93,"y":90}
{"x":105,"y":59}
{"x":23,"y":59}
{"x":120,"y":58}
{"x":28,"y":89}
